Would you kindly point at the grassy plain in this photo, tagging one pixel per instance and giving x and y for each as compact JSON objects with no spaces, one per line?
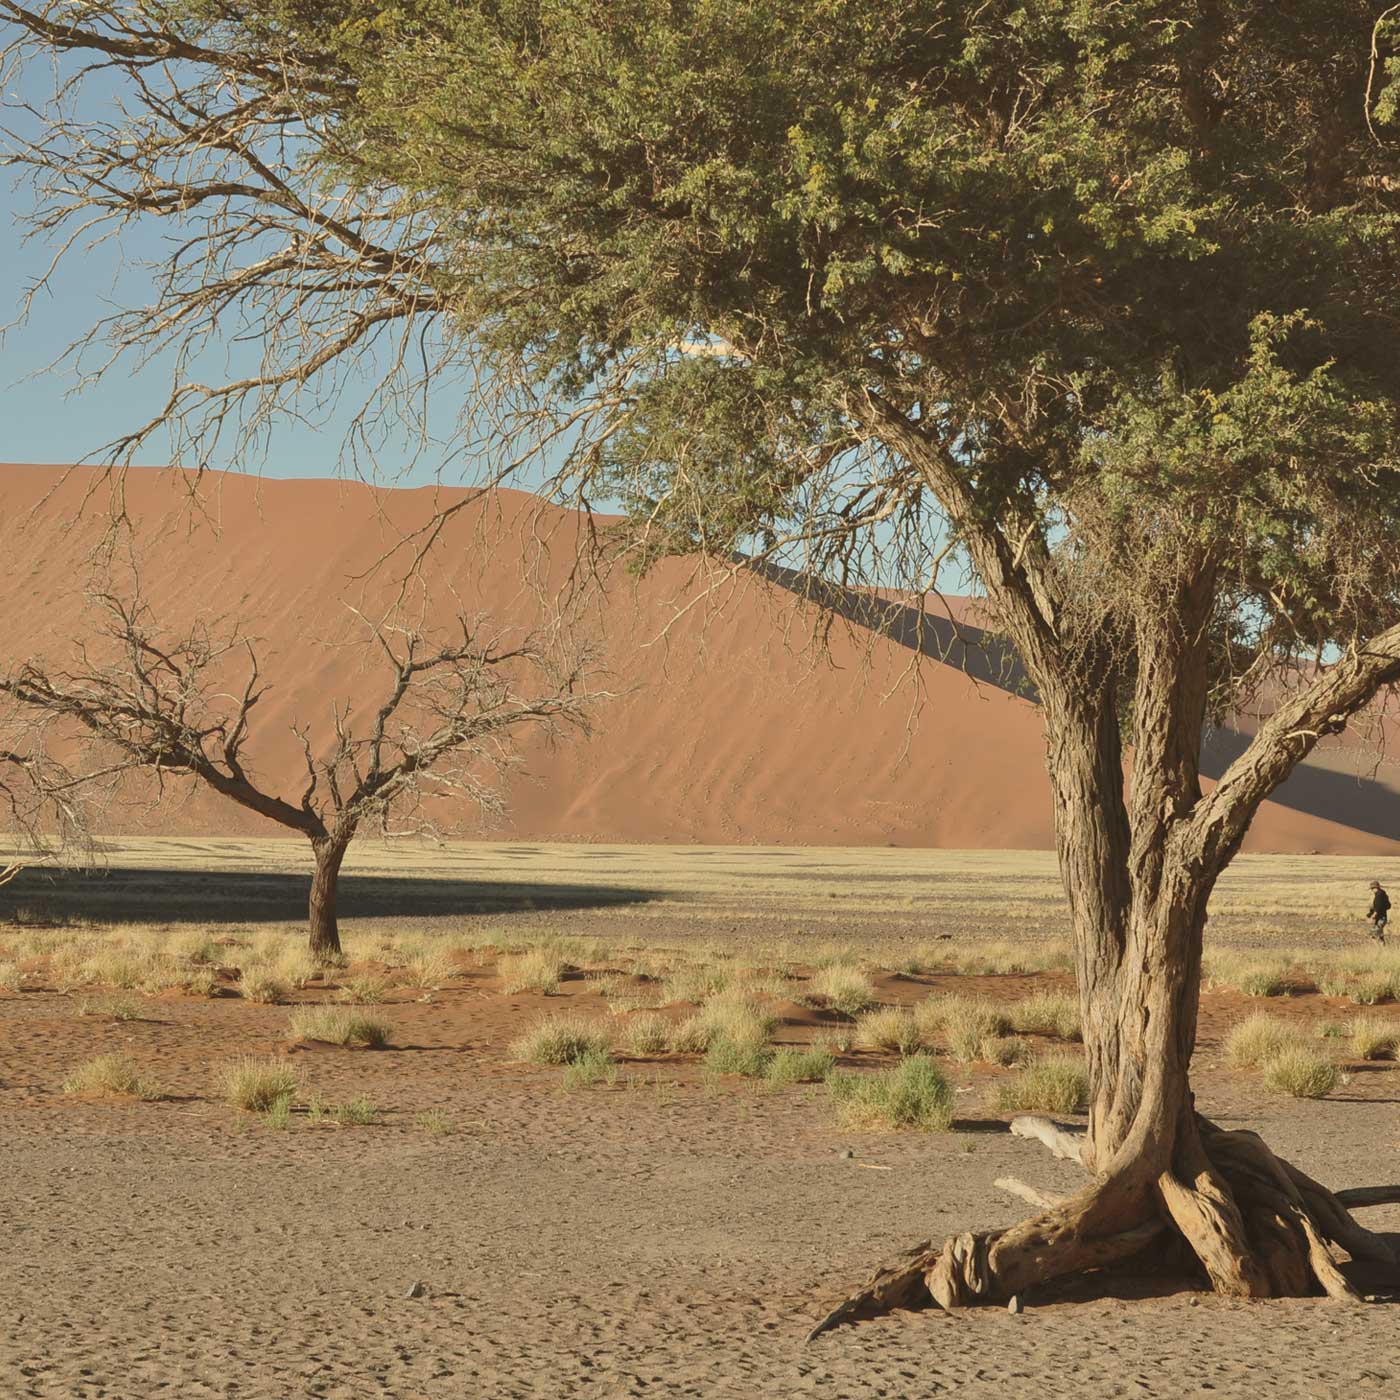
{"x":629,"y":1115}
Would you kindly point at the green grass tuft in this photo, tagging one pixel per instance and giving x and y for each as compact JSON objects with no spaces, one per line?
{"x":110,"y":1076}
{"x":1302,"y":1073}
{"x":561,"y":1039}
{"x":912,"y":1094}
{"x":1058,"y":1085}
{"x":746,"y":1057}
{"x":799,"y":1067}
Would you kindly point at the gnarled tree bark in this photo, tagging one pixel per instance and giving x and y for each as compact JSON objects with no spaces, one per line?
{"x":1138,"y":873}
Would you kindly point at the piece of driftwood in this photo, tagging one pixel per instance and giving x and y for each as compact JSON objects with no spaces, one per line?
{"x":1060,"y":1138}
{"x":1029,"y":1194}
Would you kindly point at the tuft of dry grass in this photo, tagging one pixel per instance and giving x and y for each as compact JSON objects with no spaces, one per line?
{"x":257,"y":1084}
{"x":365,"y":989}
{"x":1373,"y":1038}
{"x":110,"y":1008}
{"x":1258,"y":1038}
{"x":695,"y":984}
{"x":337,"y":1026}
{"x":296,"y":966}
{"x":1254,"y":976}
{"x":1301,"y":1073}
{"x":199,"y":981}
{"x":1047,"y":1013}
{"x":1000,"y":958}
{"x":808,"y":1066}
{"x":259,"y":982}
{"x":1058,"y":1085}
{"x":912,"y":1094}
{"x":561,"y":1039}
{"x":647,"y":1033}
{"x":119,"y":967}
{"x":110,"y":1076}
{"x":1005,"y":1050}
{"x":434,"y":1122}
{"x":592,"y":1067}
{"x":193,"y":946}
{"x":538,"y":970}
{"x":750,"y":1058}
{"x":843,"y":988}
{"x":11,"y":978}
{"x":428,"y":965}
{"x":738,"y":1019}
{"x":357,"y":1113}
{"x":1333,"y":983}
{"x":1372,"y":988}
{"x":691,"y":1036}
{"x":891,"y":1029}
{"x":964,"y":1024}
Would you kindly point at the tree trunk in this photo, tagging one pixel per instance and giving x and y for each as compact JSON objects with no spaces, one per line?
{"x":1138,"y":890}
{"x":325,"y":881}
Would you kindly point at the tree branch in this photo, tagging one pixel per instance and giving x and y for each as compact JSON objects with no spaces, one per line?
{"x":1217,"y":825}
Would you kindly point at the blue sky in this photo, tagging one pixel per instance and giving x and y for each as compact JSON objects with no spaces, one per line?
{"x":42,"y":419}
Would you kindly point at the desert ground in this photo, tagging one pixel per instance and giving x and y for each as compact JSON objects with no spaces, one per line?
{"x":442,"y":1217}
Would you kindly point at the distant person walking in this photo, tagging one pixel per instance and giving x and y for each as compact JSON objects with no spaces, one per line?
{"x":1379,"y":911}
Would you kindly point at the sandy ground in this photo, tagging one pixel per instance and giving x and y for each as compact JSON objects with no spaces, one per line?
{"x":664,"y":1236}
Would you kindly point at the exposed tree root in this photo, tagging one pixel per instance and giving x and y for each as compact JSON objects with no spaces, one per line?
{"x":1258,"y":1226}
{"x":1063,"y":1141}
{"x":1356,"y":1196}
{"x":1032,"y":1197}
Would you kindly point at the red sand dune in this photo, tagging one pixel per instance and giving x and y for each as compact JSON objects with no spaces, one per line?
{"x":730,"y":729}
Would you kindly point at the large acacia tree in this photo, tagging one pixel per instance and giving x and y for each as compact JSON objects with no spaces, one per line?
{"x":1096,"y":302}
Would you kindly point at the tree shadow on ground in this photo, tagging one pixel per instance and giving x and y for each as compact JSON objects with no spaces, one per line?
{"x":154,"y":895}
{"x":1145,"y":1278}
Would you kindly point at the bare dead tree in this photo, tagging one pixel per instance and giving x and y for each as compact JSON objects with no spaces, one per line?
{"x":44,"y":805}
{"x":445,"y":727}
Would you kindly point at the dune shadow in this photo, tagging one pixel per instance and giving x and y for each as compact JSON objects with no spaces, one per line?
{"x":1314,"y":789}
{"x":155,"y":895}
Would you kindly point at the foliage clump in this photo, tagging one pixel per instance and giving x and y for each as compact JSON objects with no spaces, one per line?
{"x":110,"y":1076}
{"x":892,"y":1028}
{"x":256,"y":1085}
{"x":1301,"y":1072}
{"x":789,"y":1066}
{"x":912,"y":1094}
{"x":842,"y":988}
{"x":1259,"y":1038}
{"x":1057,"y":1085}
{"x":560,"y":1040}
{"x":1373,"y":1038}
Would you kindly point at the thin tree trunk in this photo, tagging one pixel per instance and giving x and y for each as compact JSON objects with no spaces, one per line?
{"x":329,"y":852}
